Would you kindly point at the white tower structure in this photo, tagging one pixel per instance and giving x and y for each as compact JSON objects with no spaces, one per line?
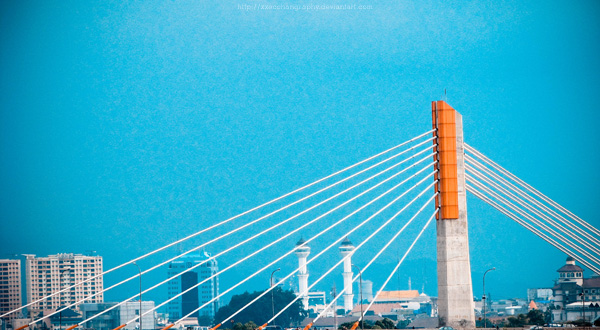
{"x":347,"y":249}
{"x":302,"y":252}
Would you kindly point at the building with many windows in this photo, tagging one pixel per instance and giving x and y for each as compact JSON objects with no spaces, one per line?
{"x":187,"y":272}
{"x":48,"y":275}
{"x":10,"y":287}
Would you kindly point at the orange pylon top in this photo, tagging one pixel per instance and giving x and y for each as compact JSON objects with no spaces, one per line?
{"x":444,"y":120}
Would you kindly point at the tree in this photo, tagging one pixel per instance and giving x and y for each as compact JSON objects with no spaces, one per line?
{"x":488,"y":324}
{"x":261,"y":311}
{"x":380,"y":324}
{"x":517,"y":322}
{"x":385,"y":324}
{"x":535,"y":316}
{"x":402,"y":324}
{"x":248,"y":326}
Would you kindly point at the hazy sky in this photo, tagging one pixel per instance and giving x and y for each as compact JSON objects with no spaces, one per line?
{"x":127,"y":125}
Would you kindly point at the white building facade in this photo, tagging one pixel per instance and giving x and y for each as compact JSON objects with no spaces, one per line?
{"x":48,"y":275}
{"x":10,"y":287}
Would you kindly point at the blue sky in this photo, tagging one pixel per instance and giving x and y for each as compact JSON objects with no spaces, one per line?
{"x":127,"y":125}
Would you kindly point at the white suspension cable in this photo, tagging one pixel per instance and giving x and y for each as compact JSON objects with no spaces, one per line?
{"x":540,"y":224}
{"x":527,"y":216}
{"x":356,"y":249}
{"x":494,"y":184}
{"x":218,"y":224}
{"x":316,"y":256}
{"x":243,"y":242}
{"x":285,"y":236}
{"x":532,"y":190}
{"x":545,"y":208}
{"x":378,"y":254}
{"x":399,"y":263}
{"x":525,"y":224}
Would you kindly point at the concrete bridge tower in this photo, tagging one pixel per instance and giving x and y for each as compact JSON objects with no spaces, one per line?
{"x":455,"y":291}
{"x":346,"y":248}
{"x":302,"y":252}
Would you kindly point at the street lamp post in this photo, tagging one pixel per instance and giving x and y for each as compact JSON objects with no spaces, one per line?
{"x":582,"y":306}
{"x":271,"y":285}
{"x":361,"y":297}
{"x":60,"y":297}
{"x":140,"y":271}
{"x":483,"y":297}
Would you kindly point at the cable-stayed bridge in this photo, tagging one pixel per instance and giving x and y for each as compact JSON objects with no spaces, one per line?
{"x":389,"y":197}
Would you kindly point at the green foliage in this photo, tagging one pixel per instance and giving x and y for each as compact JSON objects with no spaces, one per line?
{"x":548,"y":315}
{"x":517,"y":322}
{"x":380,"y":324}
{"x":261,"y":311}
{"x":535,"y":316}
{"x":385,"y":324}
{"x":488,"y":323}
{"x":402,"y":324}
{"x":248,"y":326}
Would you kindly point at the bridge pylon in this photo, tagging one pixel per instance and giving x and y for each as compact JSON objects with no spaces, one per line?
{"x":455,"y":290}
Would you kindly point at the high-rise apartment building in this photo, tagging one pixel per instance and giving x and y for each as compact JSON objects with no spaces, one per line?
{"x":197,"y":296}
{"x":10,"y":286}
{"x":47,"y":275}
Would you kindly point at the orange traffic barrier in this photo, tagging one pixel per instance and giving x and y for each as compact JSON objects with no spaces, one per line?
{"x":72,"y":327}
{"x":444,"y":120}
{"x":23,"y":327}
{"x":120,"y":327}
{"x":216,"y":327}
{"x":262,"y":326}
{"x":168,"y":326}
{"x":308,"y":326}
{"x":354,"y":326}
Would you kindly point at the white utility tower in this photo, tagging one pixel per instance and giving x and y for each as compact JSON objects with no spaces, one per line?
{"x":302,"y":252}
{"x":347,"y":249}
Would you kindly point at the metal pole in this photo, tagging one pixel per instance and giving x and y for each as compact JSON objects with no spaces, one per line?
{"x":140,"y":271}
{"x":270,"y":286}
{"x":361,"y":297}
{"x":483,"y":297}
{"x":583,"y":305}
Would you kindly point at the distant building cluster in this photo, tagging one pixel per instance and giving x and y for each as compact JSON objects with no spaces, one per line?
{"x":193,"y":286}
{"x":44,"y":276}
{"x":394,"y":305}
{"x":572,"y":298}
